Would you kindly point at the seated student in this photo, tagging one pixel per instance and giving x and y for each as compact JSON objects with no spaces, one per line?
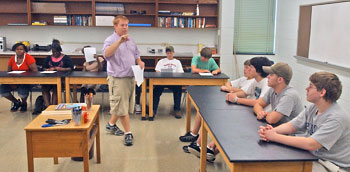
{"x":256,"y":88}
{"x":92,"y":66}
{"x":326,"y":126}
{"x":169,"y":64}
{"x":284,"y":100}
{"x":236,"y":85}
{"x":55,"y":62}
{"x":22,"y":61}
{"x":204,"y":63}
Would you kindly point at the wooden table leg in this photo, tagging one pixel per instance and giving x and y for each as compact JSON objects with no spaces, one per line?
{"x":143,"y":100}
{"x":67,"y":90}
{"x":86,"y":150}
{"x":203,"y":156}
{"x":30,"y":152}
{"x":75,"y":93}
{"x":55,"y":160}
{"x":150,"y":113}
{"x":307,"y":166}
{"x":188,"y":112}
{"x":98,"y":143}
{"x":59,"y":90}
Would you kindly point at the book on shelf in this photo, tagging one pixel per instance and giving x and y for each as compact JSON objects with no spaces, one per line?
{"x":39,"y":23}
{"x":79,"y":20}
{"x":104,"y":20}
{"x":48,"y":7}
{"x":188,"y":13}
{"x":140,"y":24}
{"x":167,"y":12}
{"x":109,"y":8}
{"x":176,"y":13}
{"x":182,"y":22}
{"x":163,"y":12}
{"x":210,"y":26}
{"x":17,"y":24}
{"x":60,"y":20}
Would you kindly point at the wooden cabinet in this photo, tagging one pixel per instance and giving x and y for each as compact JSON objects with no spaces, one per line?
{"x":78,"y":12}
{"x":13,"y":11}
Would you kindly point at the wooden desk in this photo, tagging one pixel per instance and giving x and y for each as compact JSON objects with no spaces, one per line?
{"x":234,"y":128}
{"x":63,"y":141}
{"x":77,"y":77}
{"x":164,"y":78}
{"x":34,"y":78}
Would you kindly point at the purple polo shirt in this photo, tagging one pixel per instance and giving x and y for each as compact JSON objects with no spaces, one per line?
{"x":119,"y":64}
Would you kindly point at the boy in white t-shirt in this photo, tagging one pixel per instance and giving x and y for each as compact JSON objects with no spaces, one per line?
{"x":240,"y":84}
{"x":169,"y":64}
{"x":247,"y":97}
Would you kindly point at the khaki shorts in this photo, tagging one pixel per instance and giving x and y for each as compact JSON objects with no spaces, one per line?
{"x":121,"y":95}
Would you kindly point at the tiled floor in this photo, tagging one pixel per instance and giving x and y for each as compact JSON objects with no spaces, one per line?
{"x":156,"y":146}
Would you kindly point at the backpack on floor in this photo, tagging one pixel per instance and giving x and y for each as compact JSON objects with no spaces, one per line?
{"x":39,"y":105}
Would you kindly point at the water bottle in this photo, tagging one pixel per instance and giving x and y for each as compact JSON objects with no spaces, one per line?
{"x":76,"y":116}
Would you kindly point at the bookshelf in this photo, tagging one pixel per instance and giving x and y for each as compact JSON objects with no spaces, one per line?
{"x":84,"y":12}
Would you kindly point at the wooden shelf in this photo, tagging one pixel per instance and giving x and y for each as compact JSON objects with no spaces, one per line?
{"x":21,"y":11}
{"x":12,"y":12}
{"x":108,"y":14}
{"x":128,"y":1}
{"x":189,"y":3}
{"x":201,"y":16}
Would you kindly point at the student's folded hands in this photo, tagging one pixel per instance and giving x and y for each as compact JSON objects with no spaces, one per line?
{"x":266,"y":133}
{"x":230,"y":97}
{"x":261,"y":115}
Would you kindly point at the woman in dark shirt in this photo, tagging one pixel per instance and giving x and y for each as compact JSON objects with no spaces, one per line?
{"x":55,"y":62}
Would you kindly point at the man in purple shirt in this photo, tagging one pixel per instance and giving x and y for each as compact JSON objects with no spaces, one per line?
{"x":121,"y":52}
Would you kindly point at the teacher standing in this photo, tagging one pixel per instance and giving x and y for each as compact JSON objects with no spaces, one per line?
{"x":121,"y":52}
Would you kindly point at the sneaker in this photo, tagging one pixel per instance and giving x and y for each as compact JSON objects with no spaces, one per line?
{"x":128,"y":139}
{"x":185,"y":148}
{"x":114,"y":129}
{"x":210,"y":155}
{"x":196,"y":150}
{"x":188,"y":137}
{"x":23,"y":107}
{"x":16,"y":106}
{"x":177,"y":114}
{"x":138,"y":108}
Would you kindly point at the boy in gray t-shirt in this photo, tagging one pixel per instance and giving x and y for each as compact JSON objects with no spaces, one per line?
{"x":284,"y":100}
{"x":326,"y":126}
{"x":287,"y":103}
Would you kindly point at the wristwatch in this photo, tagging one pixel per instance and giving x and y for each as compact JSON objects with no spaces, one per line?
{"x":235,"y":100}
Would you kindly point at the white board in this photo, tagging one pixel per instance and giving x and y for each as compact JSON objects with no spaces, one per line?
{"x":330,"y":34}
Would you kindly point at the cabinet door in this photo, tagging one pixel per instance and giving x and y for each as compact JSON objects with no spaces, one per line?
{"x":13,"y":12}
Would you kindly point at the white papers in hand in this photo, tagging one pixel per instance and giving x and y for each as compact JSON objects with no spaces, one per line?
{"x":205,"y":74}
{"x":138,"y":73}
{"x":89,"y":54}
{"x":16,"y":72}
{"x":48,"y":71}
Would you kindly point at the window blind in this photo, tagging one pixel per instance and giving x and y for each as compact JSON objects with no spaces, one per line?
{"x":254,"y":27}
